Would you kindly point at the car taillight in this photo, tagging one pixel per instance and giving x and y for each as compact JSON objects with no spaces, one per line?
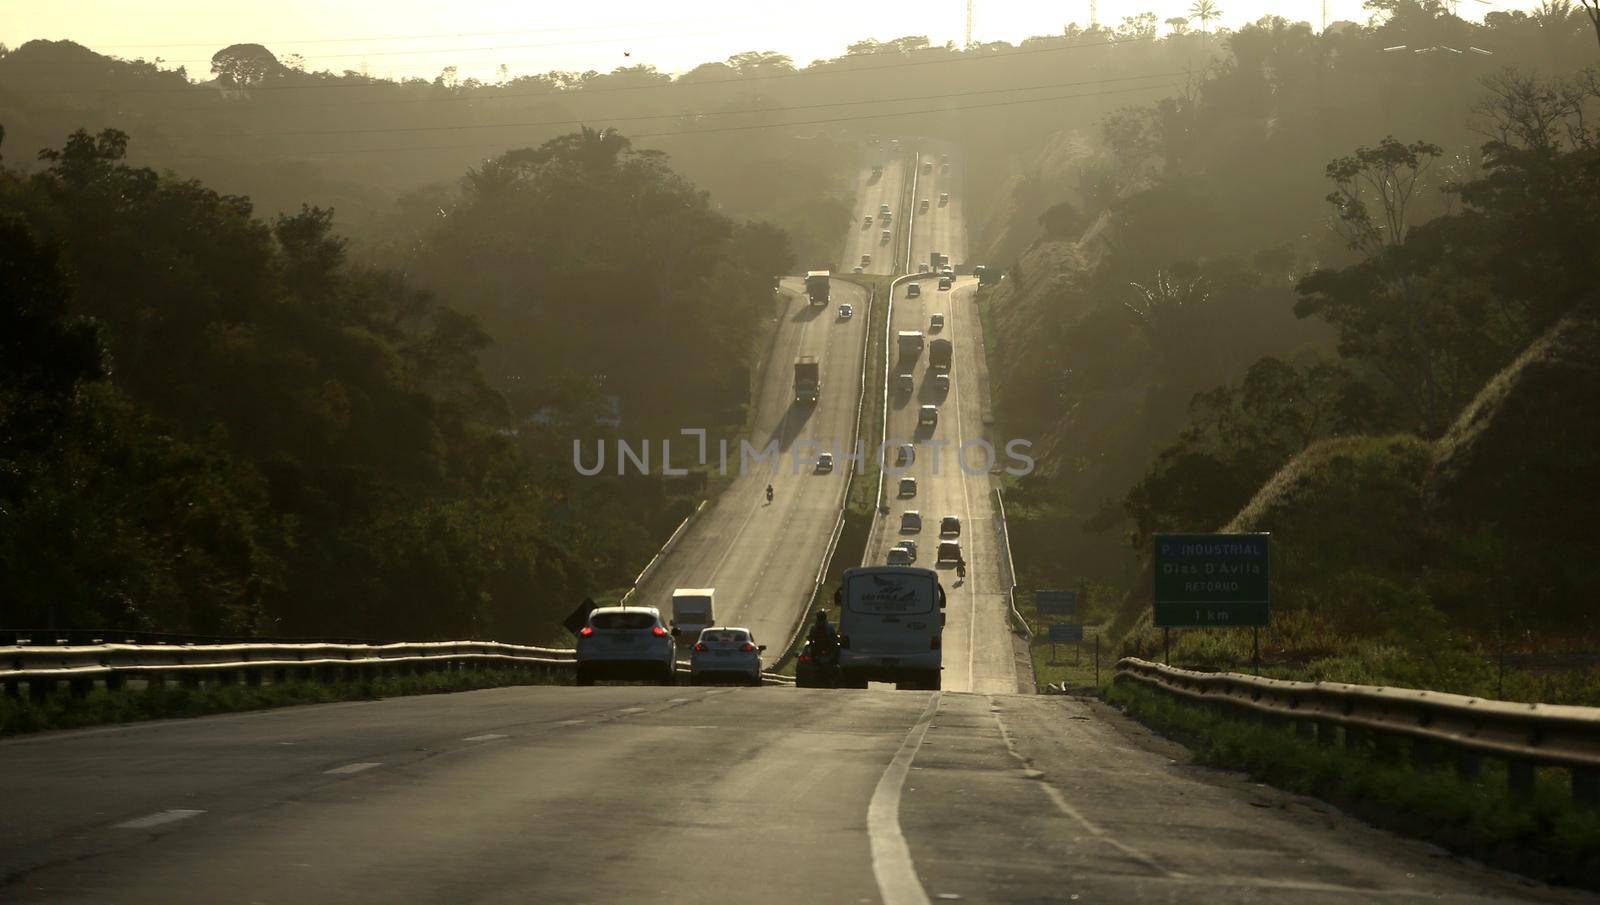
{"x":586,"y":631}
{"x":701,"y":647}
{"x":658,"y":631}
{"x":747,"y":647}
{"x":805,"y":658}
{"x":933,"y":643}
{"x":844,"y":640}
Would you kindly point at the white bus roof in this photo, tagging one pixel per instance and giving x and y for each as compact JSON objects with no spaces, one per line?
{"x":817,"y":273}
{"x":694,"y":592}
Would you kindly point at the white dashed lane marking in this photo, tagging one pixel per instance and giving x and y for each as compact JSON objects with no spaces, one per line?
{"x":353,"y":768}
{"x":486,"y":737}
{"x":157,"y":819}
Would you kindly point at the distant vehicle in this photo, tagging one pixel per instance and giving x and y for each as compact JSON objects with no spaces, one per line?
{"x":940,"y":354}
{"x":949,"y":551}
{"x":905,"y":383}
{"x":884,"y":236}
{"x":944,"y":169}
{"x":811,"y":671}
{"x":927,"y":167}
{"x":927,"y":416}
{"x":693,"y":609}
{"x":950,"y":526}
{"x":909,"y":548}
{"x":846,"y":312}
{"x":924,"y":205}
{"x":904,"y":453}
{"x":913,"y":290}
{"x":899,"y":556}
{"x":944,"y":158}
{"x":866,"y":260}
{"x":883,"y":209}
{"x":886,"y":217}
{"x":987,"y":276}
{"x":908,"y":487}
{"x":824,"y":463}
{"x":726,"y":651}
{"x":817,"y":286}
{"x":944,"y":198}
{"x":944,"y":282}
{"x":910,"y":343}
{"x":858,"y":269}
{"x":934,"y":259}
{"x":947,"y":270}
{"x":941,"y":382}
{"x":911,"y":521}
{"x":921,"y":268}
{"x":936,"y":322}
{"x":866,"y":222}
{"x":625,"y":642}
{"x":891,"y":622}
{"x":807,"y":379}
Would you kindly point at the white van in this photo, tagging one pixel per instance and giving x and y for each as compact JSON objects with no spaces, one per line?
{"x":692,"y":611}
{"x":891,"y":622}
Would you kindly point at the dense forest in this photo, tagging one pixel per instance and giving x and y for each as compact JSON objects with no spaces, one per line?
{"x":1309,"y":296}
{"x":212,"y":421}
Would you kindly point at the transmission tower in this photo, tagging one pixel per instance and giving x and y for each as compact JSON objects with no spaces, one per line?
{"x":969,"y":23}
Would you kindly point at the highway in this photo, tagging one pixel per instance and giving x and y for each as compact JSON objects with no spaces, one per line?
{"x":650,"y":794}
{"x":763,"y":559}
{"x":635,"y":793}
{"x":980,"y":652}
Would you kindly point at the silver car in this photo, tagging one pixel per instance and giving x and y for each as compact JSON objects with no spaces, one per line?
{"x":627,"y":642}
{"x":726,"y":652}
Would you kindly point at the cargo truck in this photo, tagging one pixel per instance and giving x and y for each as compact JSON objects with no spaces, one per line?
{"x":807,"y":379}
{"x":817,"y":286}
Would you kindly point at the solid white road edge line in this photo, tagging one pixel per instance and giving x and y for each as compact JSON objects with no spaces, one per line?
{"x":486,"y":737}
{"x":158,"y":818}
{"x":891,"y":857}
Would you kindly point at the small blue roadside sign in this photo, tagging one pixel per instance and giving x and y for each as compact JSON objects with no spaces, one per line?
{"x":1063,"y":632}
{"x":1056,"y":603}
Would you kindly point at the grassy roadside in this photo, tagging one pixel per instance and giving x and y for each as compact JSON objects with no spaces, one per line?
{"x":1545,"y":836}
{"x":61,"y":711}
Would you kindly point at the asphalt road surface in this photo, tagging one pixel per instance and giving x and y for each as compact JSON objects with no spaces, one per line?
{"x":649,"y":794}
{"x":980,"y":652}
{"x":889,"y":188}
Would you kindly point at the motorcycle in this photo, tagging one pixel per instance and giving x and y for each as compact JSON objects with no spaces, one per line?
{"x":769,"y":493}
{"x":817,"y":668}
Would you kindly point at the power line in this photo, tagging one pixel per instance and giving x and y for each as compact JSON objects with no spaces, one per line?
{"x":832,"y":67}
{"x":710,"y":131}
{"x":677,"y":114}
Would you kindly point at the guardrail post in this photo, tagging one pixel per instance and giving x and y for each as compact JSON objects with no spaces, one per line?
{"x":1586,"y":788}
{"x":1519,"y":778}
{"x":1386,"y":746}
{"x":79,"y":688}
{"x":1469,"y":765}
{"x":13,"y":688}
{"x":114,"y":682}
{"x":190,"y":678}
{"x":225,"y":677}
{"x":252,"y":677}
{"x":1424,"y":754}
{"x":1305,"y":728}
{"x":280,"y":676}
{"x":1327,"y":733}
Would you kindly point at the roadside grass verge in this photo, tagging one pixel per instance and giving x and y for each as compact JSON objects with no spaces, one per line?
{"x":1544,"y":836}
{"x":62,"y":711}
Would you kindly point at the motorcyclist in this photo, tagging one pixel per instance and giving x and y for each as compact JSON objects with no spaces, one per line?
{"x":961,"y":568}
{"x":769,"y":493}
{"x":824,"y":640}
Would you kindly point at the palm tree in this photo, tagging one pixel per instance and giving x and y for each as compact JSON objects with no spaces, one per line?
{"x":1205,"y":11}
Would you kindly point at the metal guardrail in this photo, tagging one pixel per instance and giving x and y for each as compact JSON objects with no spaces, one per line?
{"x":1018,"y":624}
{"x":43,"y":669}
{"x":666,"y":548}
{"x":1435,"y":724}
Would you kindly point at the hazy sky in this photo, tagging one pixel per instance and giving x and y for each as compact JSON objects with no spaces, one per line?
{"x":420,"y":37}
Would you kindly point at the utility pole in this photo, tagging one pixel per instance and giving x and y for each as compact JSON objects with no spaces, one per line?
{"x":1094,"y":16}
{"x":969,"y":24}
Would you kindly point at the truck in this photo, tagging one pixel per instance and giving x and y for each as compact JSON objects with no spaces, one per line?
{"x":910,"y":343}
{"x":933,"y":261}
{"x":817,"y":286}
{"x":807,"y":379}
{"x":987,"y":276}
{"x":692,"y":611}
{"x":891,"y":623}
{"x":940,"y":354}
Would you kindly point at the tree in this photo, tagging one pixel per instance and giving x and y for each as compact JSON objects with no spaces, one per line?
{"x":1178,"y":24}
{"x":246,"y":65}
{"x":1206,"y":12}
{"x":1390,"y":176}
{"x":1592,"y":8}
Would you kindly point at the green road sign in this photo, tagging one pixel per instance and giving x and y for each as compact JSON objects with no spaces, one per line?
{"x":1211,"y":580}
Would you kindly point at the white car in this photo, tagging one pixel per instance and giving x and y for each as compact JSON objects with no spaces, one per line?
{"x":936,"y":323}
{"x":885,"y":236}
{"x":908,"y":487}
{"x":866,"y":260}
{"x":944,"y":198}
{"x":928,"y":415}
{"x":866,"y":222}
{"x":911,"y":521}
{"x":922,"y":267}
{"x":923,"y":205}
{"x":824,"y":463}
{"x":858,"y":269}
{"x":726,"y":651}
{"x":903,"y":553}
{"x":913,"y":290}
{"x":944,"y":282}
{"x":846,"y":312}
{"x":626,"y":642}
{"x":927,"y":167}
{"x":941,"y":382}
